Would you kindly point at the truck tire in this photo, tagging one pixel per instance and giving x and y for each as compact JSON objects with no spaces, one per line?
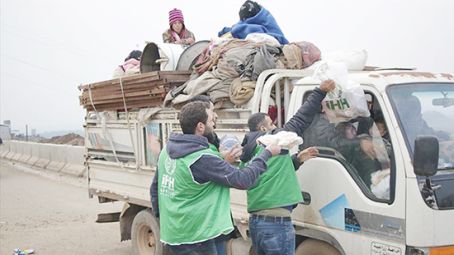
{"x":316,"y":247}
{"x":145,"y":235}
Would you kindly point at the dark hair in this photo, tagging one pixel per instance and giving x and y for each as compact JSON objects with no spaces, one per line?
{"x":341,"y":128}
{"x":134,"y":54}
{"x":364,"y":124}
{"x":379,"y":118}
{"x":249,"y":9}
{"x":191,"y":114}
{"x":255,"y":120}
{"x":201,"y":98}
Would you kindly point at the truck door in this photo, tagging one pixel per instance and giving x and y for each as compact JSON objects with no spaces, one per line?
{"x":354,"y":194}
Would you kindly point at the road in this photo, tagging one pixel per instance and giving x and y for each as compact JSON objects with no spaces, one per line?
{"x":52,"y":214}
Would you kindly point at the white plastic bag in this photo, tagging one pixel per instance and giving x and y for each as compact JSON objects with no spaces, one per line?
{"x":380,"y":183}
{"x":347,"y":101}
{"x":263,"y":38}
{"x":287,"y":140}
{"x":354,"y":59}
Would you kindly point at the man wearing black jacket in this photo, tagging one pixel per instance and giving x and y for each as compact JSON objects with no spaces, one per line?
{"x":277,"y":192}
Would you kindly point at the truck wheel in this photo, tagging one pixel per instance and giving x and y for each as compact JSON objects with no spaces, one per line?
{"x":316,"y":247}
{"x":145,"y":234}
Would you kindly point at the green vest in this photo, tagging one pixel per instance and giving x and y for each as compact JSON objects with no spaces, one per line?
{"x":277,"y":187}
{"x":190,"y":212}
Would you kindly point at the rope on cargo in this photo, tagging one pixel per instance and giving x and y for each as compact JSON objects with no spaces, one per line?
{"x":129,"y":126}
{"x":91,"y":99}
{"x":104,"y":128}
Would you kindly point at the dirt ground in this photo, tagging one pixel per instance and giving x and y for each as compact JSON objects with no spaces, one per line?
{"x":52,"y":214}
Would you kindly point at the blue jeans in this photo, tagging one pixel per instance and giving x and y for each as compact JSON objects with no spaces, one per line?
{"x":272,"y":235}
{"x":221,"y":242}
{"x":202,"y":248}
{"x":220,"y":247}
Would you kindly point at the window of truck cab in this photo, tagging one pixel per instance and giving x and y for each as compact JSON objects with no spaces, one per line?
{"x":427,"y":108}
{"x":374,"y":174}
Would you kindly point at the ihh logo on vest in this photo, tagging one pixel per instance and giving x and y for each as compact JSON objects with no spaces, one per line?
{"x":170,"y":165}
{"x":168,"y":180}
{"x":168,"y":185}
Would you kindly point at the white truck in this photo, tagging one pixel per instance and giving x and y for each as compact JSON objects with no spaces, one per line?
{"x":341,"y":213}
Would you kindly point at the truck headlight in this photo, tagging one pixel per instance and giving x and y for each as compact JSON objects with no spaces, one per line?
{"x":442,"y":250}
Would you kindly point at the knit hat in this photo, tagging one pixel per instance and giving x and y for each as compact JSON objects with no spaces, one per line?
{"x":175,"y":15}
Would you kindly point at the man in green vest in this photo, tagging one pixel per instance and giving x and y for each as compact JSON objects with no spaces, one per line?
{"x":190,"y":190}
{"x":230,"y":155}
{"x":277,"y":192}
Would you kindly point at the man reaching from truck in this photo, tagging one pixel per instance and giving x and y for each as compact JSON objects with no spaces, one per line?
{"x":190,"y":189}
{"x":277,"y":192}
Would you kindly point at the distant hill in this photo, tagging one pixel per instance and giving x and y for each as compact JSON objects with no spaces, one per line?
{"x":71,"y":139}
{"x":51,"y":134}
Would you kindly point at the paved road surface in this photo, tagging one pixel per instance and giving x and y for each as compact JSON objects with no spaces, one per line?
{"x":53,"y":215}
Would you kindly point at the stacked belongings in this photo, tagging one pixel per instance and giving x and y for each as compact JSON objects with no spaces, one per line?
{"x":227,"y":69}
{"x":132,"y":92}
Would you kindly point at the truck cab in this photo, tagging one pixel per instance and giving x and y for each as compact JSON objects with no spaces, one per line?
{"x":400,"y":211}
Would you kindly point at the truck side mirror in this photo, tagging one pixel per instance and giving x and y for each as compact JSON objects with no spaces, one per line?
{"x":425,"y":158}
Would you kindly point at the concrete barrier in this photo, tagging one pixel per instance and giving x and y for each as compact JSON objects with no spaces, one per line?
{"x":35,"y":154}
{"x":75,"y":158}
{"x":26,"y":152}
{"x":44,"y":155}
{"x":57,"y":157}
{"x":4,"y":149}
{"x":12,"y":150}
{"x":66,"y":159}
{"x":19,"y":151}
{"x":15,"y":152}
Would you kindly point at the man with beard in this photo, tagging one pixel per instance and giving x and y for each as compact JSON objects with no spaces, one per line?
{"x":230,"y":155}
{"x":190,"y":189}
{"x":277,"y":192}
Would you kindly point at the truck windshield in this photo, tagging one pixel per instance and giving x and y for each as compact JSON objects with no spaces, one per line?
{"x":428,"y":109}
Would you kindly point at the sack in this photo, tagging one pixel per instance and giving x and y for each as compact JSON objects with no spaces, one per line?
{"x":354,"y":59}
{"x":299,"y":55}
{"x":347,"y":101}
{"x":309,"y":52}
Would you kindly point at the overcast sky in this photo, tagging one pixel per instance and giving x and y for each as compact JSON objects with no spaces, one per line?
{"x":49,"y":47}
